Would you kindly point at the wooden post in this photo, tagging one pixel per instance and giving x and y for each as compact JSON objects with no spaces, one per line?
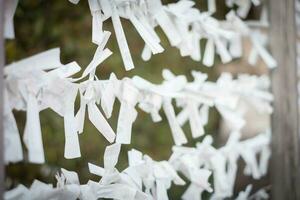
{"x":285,"y":161}
{"x":1,"y":99}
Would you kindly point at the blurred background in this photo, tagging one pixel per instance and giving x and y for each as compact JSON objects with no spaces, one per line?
{"x":42,"y":25}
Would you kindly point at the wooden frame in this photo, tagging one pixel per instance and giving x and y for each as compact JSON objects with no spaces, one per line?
{"x":1,"y":98}
{"x":285,"y":161}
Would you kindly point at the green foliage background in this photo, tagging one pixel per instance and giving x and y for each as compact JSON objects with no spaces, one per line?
{"x":41,"y":25}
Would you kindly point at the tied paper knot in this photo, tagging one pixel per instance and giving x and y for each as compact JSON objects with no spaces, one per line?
{"x":35,"y":84}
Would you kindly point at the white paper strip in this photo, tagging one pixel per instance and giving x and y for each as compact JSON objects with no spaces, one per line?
{"x":151,"y":41}
{"x":9,"y":12}
{"x":111,"y":156}
{"x":195,"y":120}
{"x":72,"y":147}
{"x":12,"y":142}
{"x":208,"y":59}
{"x":99,"y":57}
{"x":100,"y":123}
{"x":121,"y":39}
{"x":43,"y":61}
{"x":108,"y":96}
{"x":177,"y":133}
{"x":127,"y":115}
{"x":32,"y":133}
{"x":66,"y":70}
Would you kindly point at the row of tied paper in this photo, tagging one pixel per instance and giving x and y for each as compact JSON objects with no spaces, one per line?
{"x":146,"y":179}
{"x":42,"y":82}
{"x":183,"y":24}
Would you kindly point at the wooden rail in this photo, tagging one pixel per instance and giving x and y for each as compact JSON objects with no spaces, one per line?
{"x":285,"y":161}
{"x":1,"y":98}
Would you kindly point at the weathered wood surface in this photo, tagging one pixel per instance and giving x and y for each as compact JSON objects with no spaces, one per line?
{"x":1,"y":98}
{"x":285,"y":161}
